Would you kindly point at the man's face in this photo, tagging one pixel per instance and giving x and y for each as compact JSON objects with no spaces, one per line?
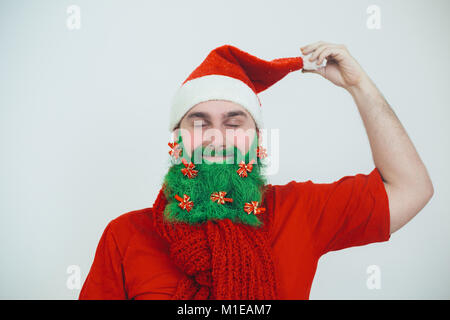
{"x":215,"y":126}
{"x":219,"y":125}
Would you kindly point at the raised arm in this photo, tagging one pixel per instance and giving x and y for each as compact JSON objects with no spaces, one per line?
{"x":408,"y":185}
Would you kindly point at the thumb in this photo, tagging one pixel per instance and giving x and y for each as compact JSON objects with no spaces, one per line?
{"x":309,"y":71}
{"x":320,"y":71}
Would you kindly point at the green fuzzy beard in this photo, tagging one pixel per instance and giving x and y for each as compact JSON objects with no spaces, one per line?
{"x":214,"y":177}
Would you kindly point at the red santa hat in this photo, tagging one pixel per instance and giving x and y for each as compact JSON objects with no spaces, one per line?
{"x":228,"y":73}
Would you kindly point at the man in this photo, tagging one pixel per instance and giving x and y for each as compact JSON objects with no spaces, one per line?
{"x":217,"y":230}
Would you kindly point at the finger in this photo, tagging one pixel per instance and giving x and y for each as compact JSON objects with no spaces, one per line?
{"x":311,"y":47}
{"x":318,"y":51}
{"x":324,"y":54}
{"x":332,"y":52}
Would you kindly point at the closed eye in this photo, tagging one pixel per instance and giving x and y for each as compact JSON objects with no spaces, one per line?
{"x":200,"y":123}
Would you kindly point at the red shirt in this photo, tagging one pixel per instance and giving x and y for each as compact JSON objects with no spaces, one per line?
{"x":310,"y":219}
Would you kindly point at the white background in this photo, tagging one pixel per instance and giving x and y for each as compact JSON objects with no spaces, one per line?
{"x":84,"y":116}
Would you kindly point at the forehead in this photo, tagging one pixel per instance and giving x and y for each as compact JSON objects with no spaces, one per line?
{"x":216,"y":108}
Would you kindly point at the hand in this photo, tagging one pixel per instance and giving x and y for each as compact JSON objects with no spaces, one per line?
{"x":341,"y":68}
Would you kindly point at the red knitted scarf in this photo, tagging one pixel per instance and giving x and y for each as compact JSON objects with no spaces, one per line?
{"x":221,"y":259}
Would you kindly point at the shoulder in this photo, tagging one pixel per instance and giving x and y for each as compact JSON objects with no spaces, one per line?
{"x":285,"y":202}
{"x":292,"y":191}
{"x":132,"y":226}
{"x":292,"y":185}
{"x":296,"y":194}
{"x":133,"y":220}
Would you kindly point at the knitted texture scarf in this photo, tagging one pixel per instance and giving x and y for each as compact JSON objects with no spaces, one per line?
{"x":220,"y":259}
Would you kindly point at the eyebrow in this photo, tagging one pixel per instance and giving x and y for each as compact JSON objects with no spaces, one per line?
{"x":205,"y":115}
{"x":235,"y":113}
{"x":198,"y":115}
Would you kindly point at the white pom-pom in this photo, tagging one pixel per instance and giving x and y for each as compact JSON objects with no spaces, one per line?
{"x":308,"y":65}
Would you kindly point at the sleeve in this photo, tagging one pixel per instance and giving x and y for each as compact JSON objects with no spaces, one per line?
{"x":351,"y":211}
{"x":105,"y":280}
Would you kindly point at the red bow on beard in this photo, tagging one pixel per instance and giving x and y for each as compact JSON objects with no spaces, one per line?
{"x":175,"y":151}
{"x":219,"y":197}
{"x":261,"y":152}
{"x":185,"y":202}
{"x":244,"y":168}
{"x":189,"y":169}
{"x":253,"y":206}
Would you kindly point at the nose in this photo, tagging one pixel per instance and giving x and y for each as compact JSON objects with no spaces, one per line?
{"x":215,"y":139}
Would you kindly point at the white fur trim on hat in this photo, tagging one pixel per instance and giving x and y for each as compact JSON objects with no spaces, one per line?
{"x":214,"y":87}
